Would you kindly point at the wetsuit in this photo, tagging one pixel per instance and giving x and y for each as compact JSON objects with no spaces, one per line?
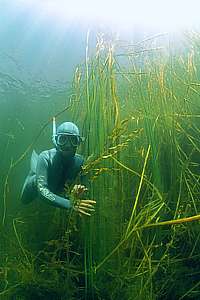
{"x":49,"y":173}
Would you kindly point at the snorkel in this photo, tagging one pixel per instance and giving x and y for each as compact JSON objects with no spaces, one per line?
{"x":54,"y":132}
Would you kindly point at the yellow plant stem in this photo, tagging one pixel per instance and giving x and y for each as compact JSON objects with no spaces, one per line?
{"x":173,"y":222}
{"x":138,"y":192}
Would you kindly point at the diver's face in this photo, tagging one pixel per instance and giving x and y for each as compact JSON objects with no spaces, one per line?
{"x":67,"y":153}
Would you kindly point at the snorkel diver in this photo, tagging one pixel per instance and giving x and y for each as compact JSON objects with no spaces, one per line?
{"x":53,"y":169}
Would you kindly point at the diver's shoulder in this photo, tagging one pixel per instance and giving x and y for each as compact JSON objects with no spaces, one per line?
{"x":48,"y":153}
{"x":78,"y":156}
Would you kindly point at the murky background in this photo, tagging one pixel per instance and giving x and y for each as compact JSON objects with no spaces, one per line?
{"x":44,"y":66}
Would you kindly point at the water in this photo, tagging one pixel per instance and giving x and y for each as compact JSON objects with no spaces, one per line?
{"x":140,"y":116}
{"x":37,"y":66}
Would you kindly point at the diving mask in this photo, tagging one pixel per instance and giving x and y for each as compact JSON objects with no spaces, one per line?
{"x":67,"y":140}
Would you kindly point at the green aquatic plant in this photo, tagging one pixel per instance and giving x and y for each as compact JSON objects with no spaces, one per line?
{"x":139,"y":111}
{"x":150,"y":96}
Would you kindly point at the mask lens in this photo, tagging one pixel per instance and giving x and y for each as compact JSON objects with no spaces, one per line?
{"x":62,"y":140}
{"x":67,"y":140}
{"x":74,"y":140}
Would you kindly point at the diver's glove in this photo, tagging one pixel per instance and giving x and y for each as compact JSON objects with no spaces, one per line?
{"x":78,"y":190}
{"x":82,"y":206}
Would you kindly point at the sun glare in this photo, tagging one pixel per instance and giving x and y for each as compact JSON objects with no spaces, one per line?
{"x":157,"y":14}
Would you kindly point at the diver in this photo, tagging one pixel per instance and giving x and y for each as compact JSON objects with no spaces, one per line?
{"x":52,"y":170}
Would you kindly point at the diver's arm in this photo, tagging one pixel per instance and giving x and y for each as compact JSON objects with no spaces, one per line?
{"x":42,"y":185}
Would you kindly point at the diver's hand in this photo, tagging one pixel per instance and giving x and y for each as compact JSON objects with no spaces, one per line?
{"x":84,"y":207}
{"x":78,"y":190}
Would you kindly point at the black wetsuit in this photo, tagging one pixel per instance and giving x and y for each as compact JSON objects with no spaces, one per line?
{"x":49,"y":173}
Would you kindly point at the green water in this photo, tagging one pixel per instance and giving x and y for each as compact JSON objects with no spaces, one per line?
{"x":139,"y":114}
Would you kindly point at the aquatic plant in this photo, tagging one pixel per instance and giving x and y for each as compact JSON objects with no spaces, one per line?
{"x":138,"y":106}
{"x":142,"y":162}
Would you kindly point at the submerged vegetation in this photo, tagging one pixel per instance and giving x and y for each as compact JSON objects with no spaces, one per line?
{"x":138,"y":106}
